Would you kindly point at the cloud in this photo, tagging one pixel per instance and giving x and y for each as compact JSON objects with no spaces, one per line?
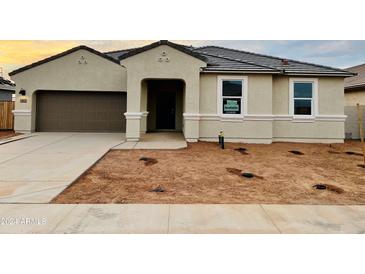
{"x":23,"y":52}
{"x":110,"y":45}
{"x":14,"y":54}
{"x":248,"y":45}
{"x":18,"y":53}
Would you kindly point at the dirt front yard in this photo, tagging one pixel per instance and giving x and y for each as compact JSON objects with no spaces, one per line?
{"x":7,"y":134}
{"x":203,"y":173}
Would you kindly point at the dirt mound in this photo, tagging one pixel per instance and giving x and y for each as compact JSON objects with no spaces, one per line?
{"x":158,"y":189}
{"x":240,"y":173}
{"x":329,"y":187}
{"x":148,"y":161}
{"x":334,"y":152}
{"x":242,"y":150}
{"x":354,"y":153}
{"x":235,"y":171}
{"x":296,"y":152}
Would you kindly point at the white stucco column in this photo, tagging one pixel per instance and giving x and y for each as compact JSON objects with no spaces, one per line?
{"x":133,"y":126}
{"x":143,"y":107}
{"x":191,"y":126}
{"x":133,"y":115}
{"x":22,"y":120}
{"x":24,"y":112}
{"x":191,"y":114}
{"x":144,"y":122}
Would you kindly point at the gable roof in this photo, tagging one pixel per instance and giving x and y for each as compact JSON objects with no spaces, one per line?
{"x":220,"y":59}
{"x":357,"y":81}
{"x":46,"y":60}
{"x":178,"y":47}
{"x":214,"y":62}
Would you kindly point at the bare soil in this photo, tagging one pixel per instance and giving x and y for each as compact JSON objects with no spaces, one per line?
{"x":7,"y":134}
{"x":203,"y":173}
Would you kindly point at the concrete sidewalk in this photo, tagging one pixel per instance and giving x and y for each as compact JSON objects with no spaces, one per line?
{"x":138,"y":218}
{"x":38,"y":168}
{"x":157,"y":140}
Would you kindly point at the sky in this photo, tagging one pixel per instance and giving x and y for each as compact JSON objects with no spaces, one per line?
{"x":335,"y":53}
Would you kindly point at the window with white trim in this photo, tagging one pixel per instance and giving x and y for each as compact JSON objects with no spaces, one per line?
{"x":231,"y":93}
{"x":303,"y":96}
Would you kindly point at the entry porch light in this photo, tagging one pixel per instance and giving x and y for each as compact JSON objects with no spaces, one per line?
{"x":23,"y":97}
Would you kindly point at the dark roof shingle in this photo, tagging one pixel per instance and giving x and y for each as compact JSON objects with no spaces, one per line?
{"x":116,"y":54}
{"x":220,"y":63}
{"x":285,"y":66}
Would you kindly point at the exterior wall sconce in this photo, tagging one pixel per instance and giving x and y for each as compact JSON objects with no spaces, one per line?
{"x":22,"y":92}
{"x":23,"y":97}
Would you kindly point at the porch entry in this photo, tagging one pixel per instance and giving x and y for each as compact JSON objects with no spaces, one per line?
{"x":164,"y":105}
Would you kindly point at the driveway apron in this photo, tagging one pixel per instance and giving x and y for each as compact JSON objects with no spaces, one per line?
{"x":38,"y":168}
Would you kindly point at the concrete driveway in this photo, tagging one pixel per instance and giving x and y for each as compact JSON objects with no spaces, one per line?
{"x":36,"y":169}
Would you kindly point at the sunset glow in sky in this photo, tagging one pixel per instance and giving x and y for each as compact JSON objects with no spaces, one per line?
{"x":15,"y":54}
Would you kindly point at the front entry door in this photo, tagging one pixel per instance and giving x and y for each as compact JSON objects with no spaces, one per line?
{"x":165,"y":110}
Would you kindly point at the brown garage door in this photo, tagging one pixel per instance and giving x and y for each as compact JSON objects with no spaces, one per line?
{"x":81,"y":111}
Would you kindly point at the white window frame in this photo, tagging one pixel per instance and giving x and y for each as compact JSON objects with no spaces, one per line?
{"x":314,"y":105}
{"x":220,"y":96}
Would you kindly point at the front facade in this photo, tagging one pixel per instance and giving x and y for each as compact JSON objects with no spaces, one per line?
{"x":354,"y":94}
{"x":170,"y":87}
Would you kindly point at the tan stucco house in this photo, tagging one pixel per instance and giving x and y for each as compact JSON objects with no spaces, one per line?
{"x":354,"y":94}
{"x":170,"y":87}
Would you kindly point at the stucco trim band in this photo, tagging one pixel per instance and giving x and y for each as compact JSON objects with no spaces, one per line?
{"x":308,"y":140}
{"x":134,"y":115}
{"x":263,"y":117}
{"x":192,"y":116}
{"x":239,"y":140}
{"x":22,"y":112}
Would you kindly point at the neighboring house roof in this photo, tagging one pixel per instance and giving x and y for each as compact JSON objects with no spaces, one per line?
{"x":358,"y":81}
{"x":6,"y":85}
{"x":82,"y":47}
